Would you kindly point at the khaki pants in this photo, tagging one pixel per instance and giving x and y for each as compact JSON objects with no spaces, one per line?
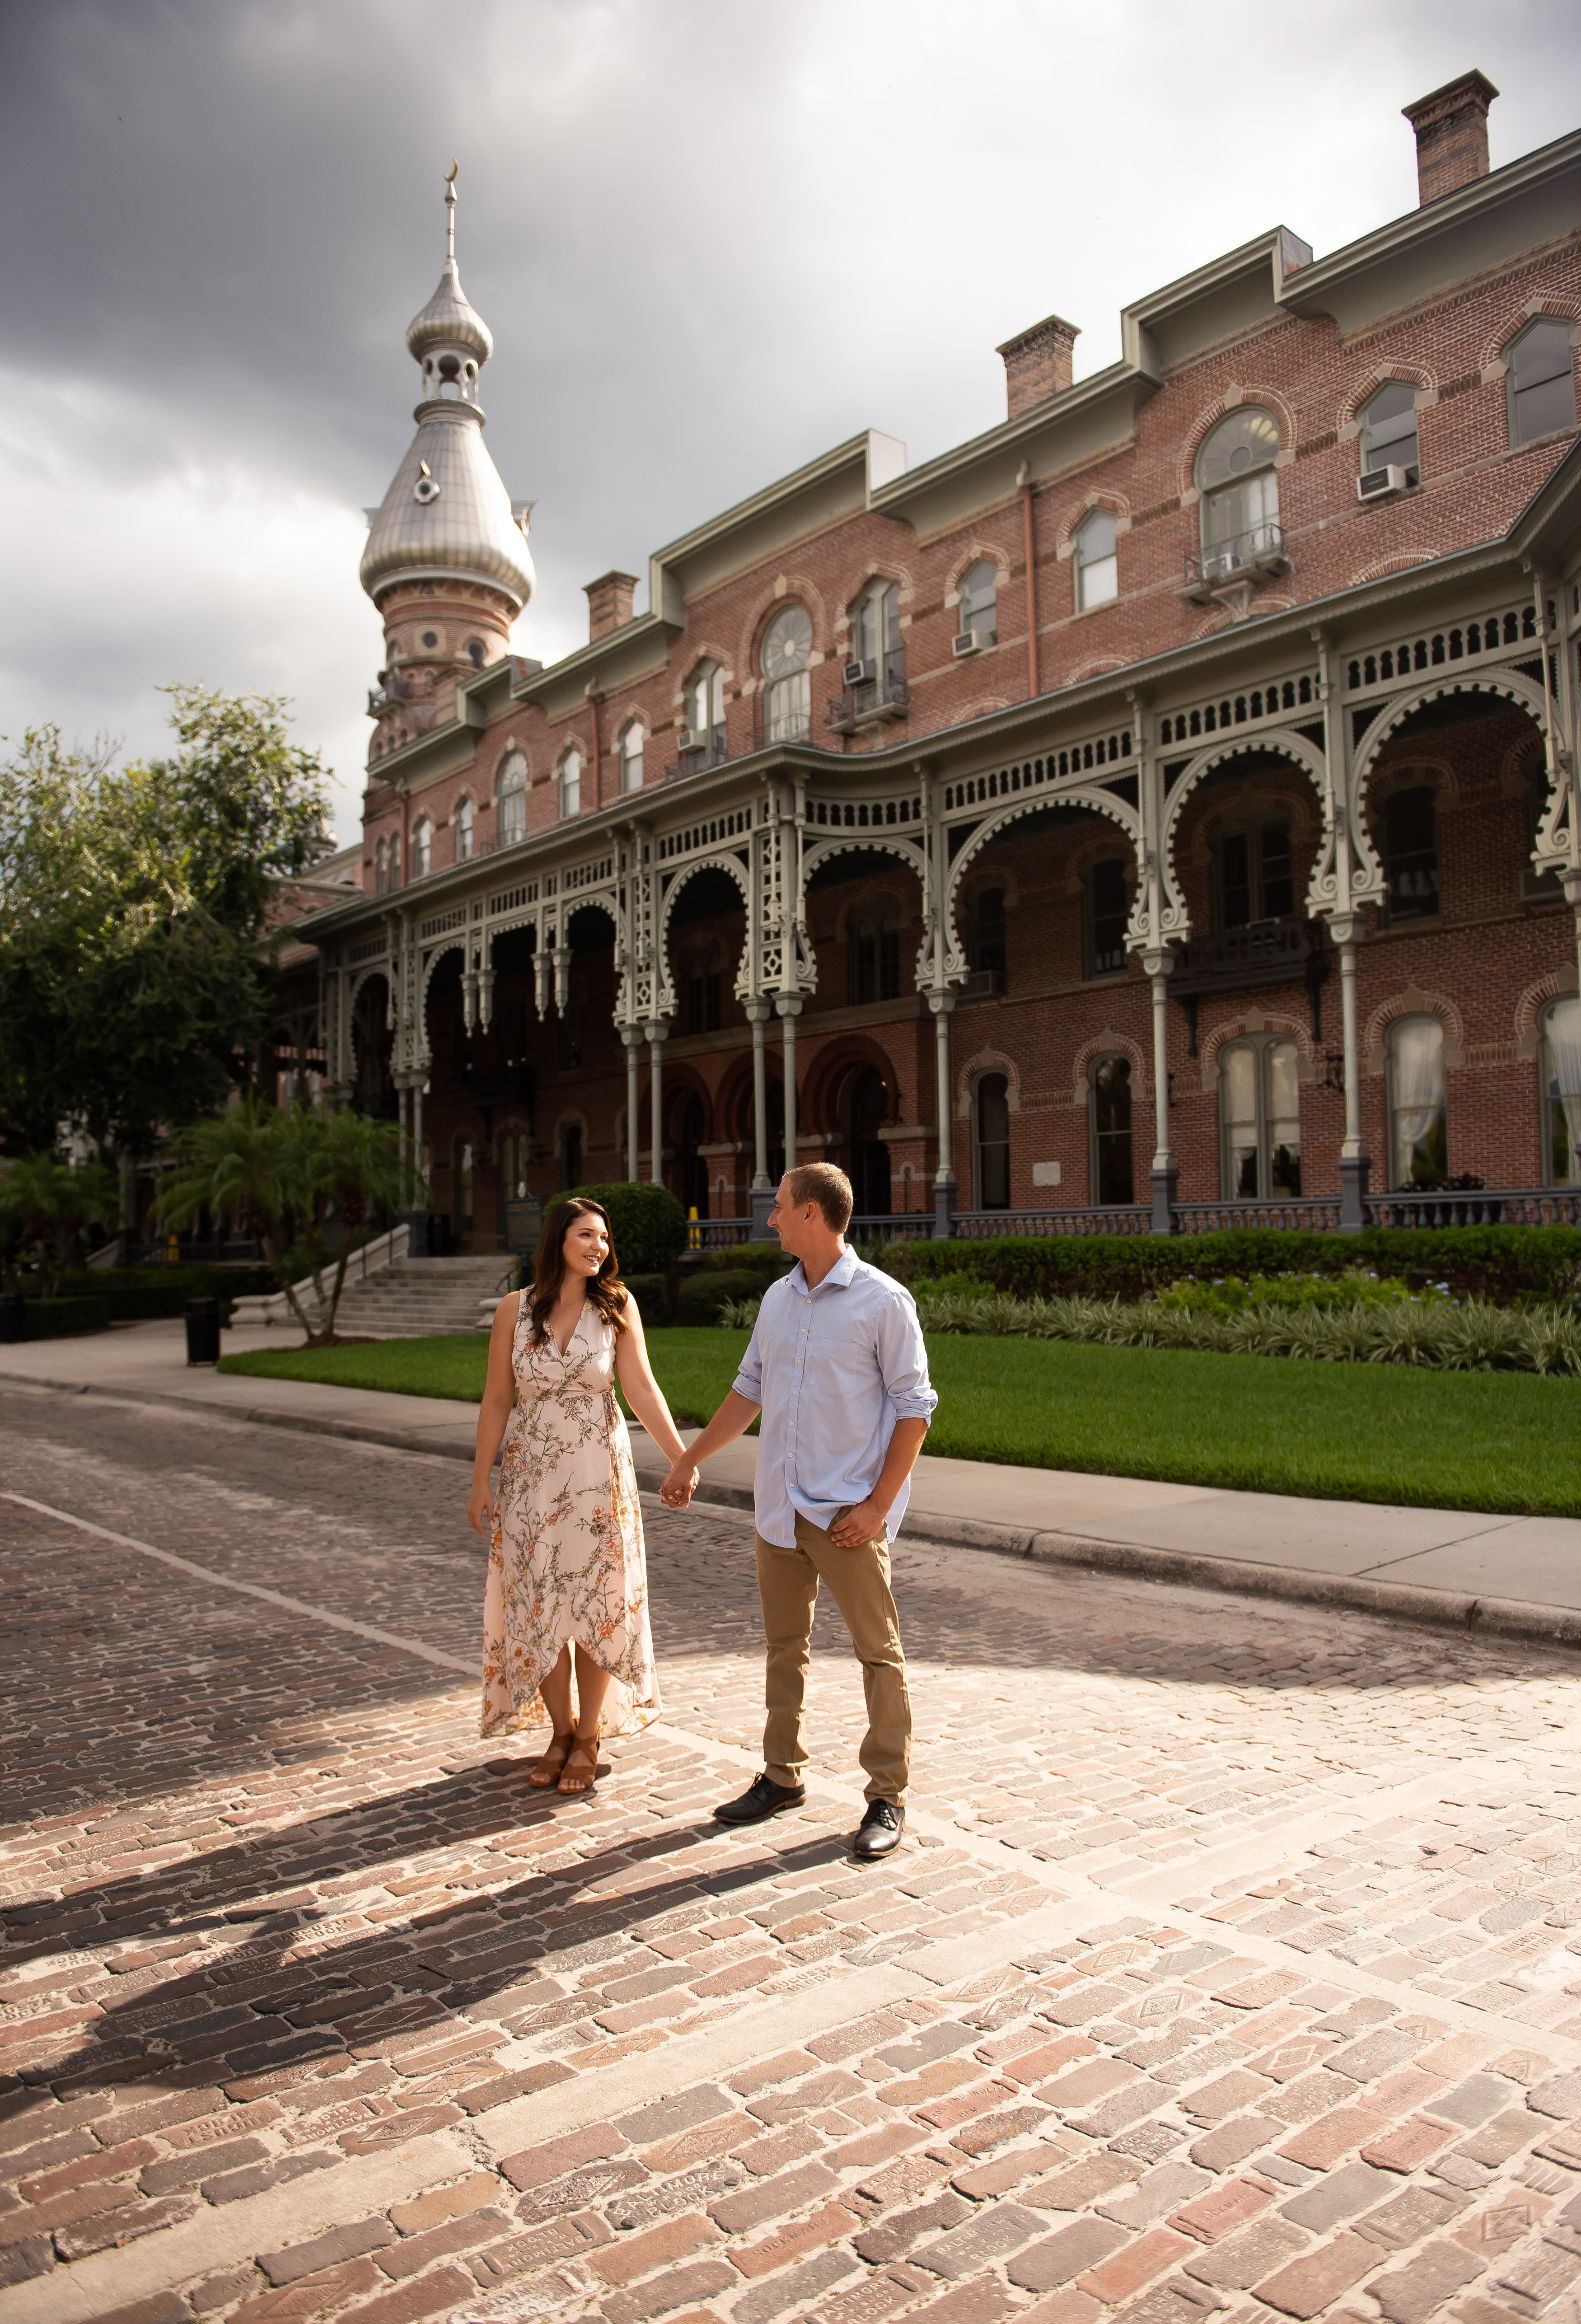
{"x":858,"y":1581}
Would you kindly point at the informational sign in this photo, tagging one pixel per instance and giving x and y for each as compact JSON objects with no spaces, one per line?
{"x":523,"y":1223}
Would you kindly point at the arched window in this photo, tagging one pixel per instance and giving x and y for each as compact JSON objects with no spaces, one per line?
{"x":395,"y":862}
{"x":1560,"y":1069}
{"x":1260,"y":1117}
{"x":1419,"y":1140}
{"x":1256,"y":879}
{"x":463,"y":822}
{"x":570,"y":783}
{"x":872,"y":953}
{"x":1240,"y":492}
{"x":631,"y":758}
{"x":422,"y":848}
{"x":1410,"y":852}
{"x":1388,"y":431}
{"x":1108,"y":910}
{"x":463,"y":1186}
{"x":475,"y":652}
{"x":1097,"y":566}
{"x":866,"y":1106}
{"x":513,"y":798}
{"x":878,"y":645}
{"x":381,"y":869}
{"x":991,"y":1142}
{"x":979,"y":607}
{"x":1542,"y":380}
{"x":704,"y":712}
{"x":786,"y":658}
{"x":1112,"y":1175}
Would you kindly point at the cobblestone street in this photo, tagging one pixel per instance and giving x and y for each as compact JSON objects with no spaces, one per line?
{"x":1226,"y":1970}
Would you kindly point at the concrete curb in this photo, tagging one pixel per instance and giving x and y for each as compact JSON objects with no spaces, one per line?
{"x":1507,"y":1618}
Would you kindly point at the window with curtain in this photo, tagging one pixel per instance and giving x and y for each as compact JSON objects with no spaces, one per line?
{"x":511,"y":1153}
{"x":1256,"y":877}
{"x":1410,"y":852}
{"x":1388,"y":431}
{"x":513,"y":798}
{"x":381,"y":869}
{"x":395,"y":864}
{"x":1235,"y":476}
{"x":979,"y":606}
{"x":991,"y":1109}
{"x":631,"y":761}
{"x":703,"y":710}
{"x":1540,"y":380}
{"x":464,"y":832}
{"x":787,"y":656}
{"x":1560,"y":1065}
{"x":463,"y":1186}
{"x":570,"y":783}
{"x":1260,"y":1117}
{"x":1111,"y":1163}
{"x":1097,"y":566}
{"x":1108,"y":909}
{"x":422,"y":848}
{"x":1418,"y":1140}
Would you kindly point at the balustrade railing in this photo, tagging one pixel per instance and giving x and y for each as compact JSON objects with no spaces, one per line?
{"x":1299,"y":1213}
{"x":1500,"y":1206}
{"x":1125,"y":1218}
{"x":891,"y":1226}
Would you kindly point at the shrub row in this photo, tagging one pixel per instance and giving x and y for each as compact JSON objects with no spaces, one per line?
{"x":61,"y":1319}
{"x":1475,"y":1337}
{"x":138,"y":1294}
{"x":1509,"y":1266}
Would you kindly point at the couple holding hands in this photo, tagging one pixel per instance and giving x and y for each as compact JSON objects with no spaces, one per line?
{"x":838,"y":1372}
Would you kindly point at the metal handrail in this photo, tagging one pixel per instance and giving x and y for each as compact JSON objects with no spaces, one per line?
{"x":874,"y":696}
{"x":1241,"y":552}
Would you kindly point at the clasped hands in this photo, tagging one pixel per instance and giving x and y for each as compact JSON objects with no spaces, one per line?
{"x":679,"y":1487}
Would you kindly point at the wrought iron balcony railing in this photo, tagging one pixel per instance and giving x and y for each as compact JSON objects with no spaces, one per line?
{"x":870,"y":704}
{"x":1254,"y":555}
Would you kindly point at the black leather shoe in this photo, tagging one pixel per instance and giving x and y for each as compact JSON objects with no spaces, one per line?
{"x":763,"y":1799}
{"x":881,"y":1830}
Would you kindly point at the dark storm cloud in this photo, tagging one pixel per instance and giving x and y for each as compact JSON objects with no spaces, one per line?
{"x":711,"y":237}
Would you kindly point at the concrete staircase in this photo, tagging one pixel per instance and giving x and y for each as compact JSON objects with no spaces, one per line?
{"x":416,"y":1297}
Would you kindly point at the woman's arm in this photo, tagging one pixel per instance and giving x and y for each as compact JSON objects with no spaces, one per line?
{"x":642,"y":1390}
{"x":499,"y":1394}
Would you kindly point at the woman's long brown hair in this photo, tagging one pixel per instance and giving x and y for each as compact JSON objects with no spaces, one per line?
{"x":605,"y":1289}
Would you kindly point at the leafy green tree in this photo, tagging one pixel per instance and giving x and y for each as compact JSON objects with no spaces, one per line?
{"x":47,"y":1204}
{"x":134,"y":908}
{"x":284,"y":1174}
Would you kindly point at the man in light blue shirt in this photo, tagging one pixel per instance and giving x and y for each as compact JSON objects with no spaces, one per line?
{"x":838,"y":1371}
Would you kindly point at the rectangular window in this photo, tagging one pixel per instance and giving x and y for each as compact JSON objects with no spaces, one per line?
{"x":1411,"y":853}
{"x":1542,"y":380}
{"x":985,"y":939}
{"x":1256,"y":875}
{"x":1235,"y":879}
{"x":1109,"y":909}
{"x":1418,"y":1103}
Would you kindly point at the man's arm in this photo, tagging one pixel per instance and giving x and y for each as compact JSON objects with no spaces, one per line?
{"x":867,"y":1520}
{"x":733,"y":1419}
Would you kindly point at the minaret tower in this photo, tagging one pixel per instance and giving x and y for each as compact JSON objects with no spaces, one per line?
{"x":447,"y":562}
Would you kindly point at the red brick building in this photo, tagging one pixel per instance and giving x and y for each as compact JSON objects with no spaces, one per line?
{"x":1160,"y":808}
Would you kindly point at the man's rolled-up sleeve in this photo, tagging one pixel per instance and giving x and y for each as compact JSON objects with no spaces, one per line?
{"x":749,"y":1381}
{"x":902,"y":1359}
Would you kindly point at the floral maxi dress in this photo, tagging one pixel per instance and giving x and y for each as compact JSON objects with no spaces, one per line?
{"x":567,"y":1561}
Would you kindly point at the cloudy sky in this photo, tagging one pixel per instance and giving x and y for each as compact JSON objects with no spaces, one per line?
{"x":712,"y":237}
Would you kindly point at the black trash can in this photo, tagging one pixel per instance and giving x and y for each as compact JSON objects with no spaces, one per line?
{"x":12,"y":1318}
{"x":203,"y":1331}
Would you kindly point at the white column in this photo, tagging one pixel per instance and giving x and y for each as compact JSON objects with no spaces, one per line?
{"x":942,"y":1005}
{"x":632,"y":1035}
{"x":758,"y":1016}
{"x":417,"y":1090}
{"x":1156,"y":963}
{"x":790,"y":1006}
{"x":656,"y":1030}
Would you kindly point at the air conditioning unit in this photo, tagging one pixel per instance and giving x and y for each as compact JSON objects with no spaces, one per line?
{"x":1379,"y":483}
{"x":1221,"y":561}
{"x":968,"y":642}
{"x":687,"y":739}
{"x":859,"y":673}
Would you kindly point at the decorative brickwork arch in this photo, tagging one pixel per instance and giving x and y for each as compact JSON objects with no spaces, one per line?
{"x":707,"y":651}
{"x":787,"y":589}
{"x":1235,"y":398}
{"x":986,"y":1061}
{"x":1100,"y":802}
{"x":879,"y":569}
{"x":1109,"y":1044}
{"x":1559,"y":306}
{"x":1509,"y":683}
{"x":1097,"y":846}
{"x":1557,"y":985}
{"x":986,"y":552}
{"x":1381,"y":567}
{"x":1099,"y":497}
{"x":1280,"y":743}
{"x":1409,"y":773}
{"x":1305,"y":812}
{"x":1414,"y":374}
{"x":828,"y":1070}
{"x":1209,"y":627}
{"x":1289,"y":1028}
{"x":1101,"y":668}
{"x":983,"y":706}
{"x":1414,"y":1002}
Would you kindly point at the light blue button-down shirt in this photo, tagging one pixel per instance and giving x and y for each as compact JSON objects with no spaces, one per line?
{"x":833,"y":1370}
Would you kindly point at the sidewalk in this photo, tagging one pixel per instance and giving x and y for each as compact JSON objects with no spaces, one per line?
{"x":1517,"y":1576}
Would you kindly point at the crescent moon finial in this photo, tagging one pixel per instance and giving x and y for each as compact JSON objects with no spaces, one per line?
{"x":450,"y":173}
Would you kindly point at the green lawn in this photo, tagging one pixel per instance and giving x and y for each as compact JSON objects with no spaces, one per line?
{"x":1500,"y":1441}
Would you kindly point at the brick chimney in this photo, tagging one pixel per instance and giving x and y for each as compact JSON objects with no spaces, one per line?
{"x":1038,"y":362}
{"x":610,"y":600}
{"x":1452,"y":135}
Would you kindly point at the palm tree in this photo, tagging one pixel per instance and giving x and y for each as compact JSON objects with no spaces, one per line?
{"x":282,"y":1174}
{"x":48,"y":1203}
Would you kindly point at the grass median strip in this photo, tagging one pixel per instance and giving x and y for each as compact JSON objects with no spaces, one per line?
{"x":1507,"y":1442}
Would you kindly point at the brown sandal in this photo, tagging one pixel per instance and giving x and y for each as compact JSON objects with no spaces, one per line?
{"x":547,"y":1772}
{"x":584,"y":1747}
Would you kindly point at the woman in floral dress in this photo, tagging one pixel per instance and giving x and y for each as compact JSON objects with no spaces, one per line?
{"x":566,"y":1576}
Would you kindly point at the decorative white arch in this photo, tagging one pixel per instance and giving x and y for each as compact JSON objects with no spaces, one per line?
{"x":876,"y":842}
{"x":1278,"y":742}
{"x":689,"y":872}
{"x":1100,"y":802}
{"x":1509,"y":683}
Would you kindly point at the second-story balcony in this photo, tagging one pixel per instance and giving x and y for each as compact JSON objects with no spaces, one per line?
{"x":1287,"y":951}
{"x":699,"y":751}
{"x":1222,"y":568}
{"x":869,"y":702}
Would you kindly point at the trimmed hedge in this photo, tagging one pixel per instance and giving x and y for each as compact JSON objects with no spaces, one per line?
{"x":651,"y":1293}
{"x":62,"y":1319}
{"x":761,"y":1259}
{"x":1511,"y":1265}
{"x":138,"y":1293}
{"x":647,"y":1223}
{"x":704,"y":1293}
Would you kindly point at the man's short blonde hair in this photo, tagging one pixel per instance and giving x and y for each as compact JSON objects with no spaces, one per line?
{"x":830,"y":1189}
